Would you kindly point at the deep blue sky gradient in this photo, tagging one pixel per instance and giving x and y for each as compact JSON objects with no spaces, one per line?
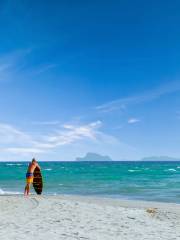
{"x":60,"y":60}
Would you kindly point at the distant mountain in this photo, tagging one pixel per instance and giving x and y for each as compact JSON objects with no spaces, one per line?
{"x":160,"y":158}
{"x":94,"y":157}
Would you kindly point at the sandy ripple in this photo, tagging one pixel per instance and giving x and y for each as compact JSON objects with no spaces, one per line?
{"x":73,"y":218}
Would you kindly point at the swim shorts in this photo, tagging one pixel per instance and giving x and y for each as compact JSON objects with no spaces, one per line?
{"x":29,"y":178}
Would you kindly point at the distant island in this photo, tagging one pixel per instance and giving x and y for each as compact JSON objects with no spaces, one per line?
{"x":94,"y":157}
{"x":160,"y":159}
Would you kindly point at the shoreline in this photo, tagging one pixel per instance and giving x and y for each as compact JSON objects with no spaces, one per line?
{"x":128,"y":203}
{"x":124,"y":202}
{"x":78,"y":217}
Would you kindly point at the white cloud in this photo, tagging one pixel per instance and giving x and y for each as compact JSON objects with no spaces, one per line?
{"x":16,"y":141}
{"x":69,"y":134}
{"x":133,"y":120}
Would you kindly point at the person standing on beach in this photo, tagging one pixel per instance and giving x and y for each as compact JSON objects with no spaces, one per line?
{"x":29,"y":175}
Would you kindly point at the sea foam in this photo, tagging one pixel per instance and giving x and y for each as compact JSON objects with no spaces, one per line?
{"x":2,"y":192}
{"x":171,"y":170}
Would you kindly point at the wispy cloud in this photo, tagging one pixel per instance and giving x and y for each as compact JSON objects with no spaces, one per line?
{"x":13,"y":62}
{"x":10,"y":134}
{"x":18,"y":142}
{"x":178,"y":114}
{"x":4,"y":67}
{"x":69,"y":134}
{"x":22,"y":150}
{"x":44,"y":68}
{"x":46,"y":122}
{"x":156,"y":93}
{"x":133,"y":120}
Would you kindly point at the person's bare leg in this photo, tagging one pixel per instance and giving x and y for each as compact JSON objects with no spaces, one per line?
{"x":27,"y":189}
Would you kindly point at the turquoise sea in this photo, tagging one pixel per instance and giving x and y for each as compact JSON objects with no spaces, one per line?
{"x":152,"y":181}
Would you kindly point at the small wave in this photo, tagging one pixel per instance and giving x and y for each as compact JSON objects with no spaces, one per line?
{"x":178,"y":167}
{"x":171,"y":170}
{"x":48,"y":169}
{"x":60,"y":184}
{"x":2,"y":192}
{"x":131,"y":170}
{"x":13,"y":164}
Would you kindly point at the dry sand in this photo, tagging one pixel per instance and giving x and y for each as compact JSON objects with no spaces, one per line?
{"x":72,"y":217}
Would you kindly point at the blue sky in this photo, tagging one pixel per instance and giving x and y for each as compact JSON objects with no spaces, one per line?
{"x":89,"y":76}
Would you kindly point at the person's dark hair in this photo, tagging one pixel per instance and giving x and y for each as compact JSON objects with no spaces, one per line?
{"x":33,"y":160}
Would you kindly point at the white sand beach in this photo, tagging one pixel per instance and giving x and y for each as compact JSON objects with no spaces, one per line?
{"x":73,"y":217}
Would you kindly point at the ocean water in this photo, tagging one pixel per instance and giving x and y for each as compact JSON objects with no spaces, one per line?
{"x":152,"y":181}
